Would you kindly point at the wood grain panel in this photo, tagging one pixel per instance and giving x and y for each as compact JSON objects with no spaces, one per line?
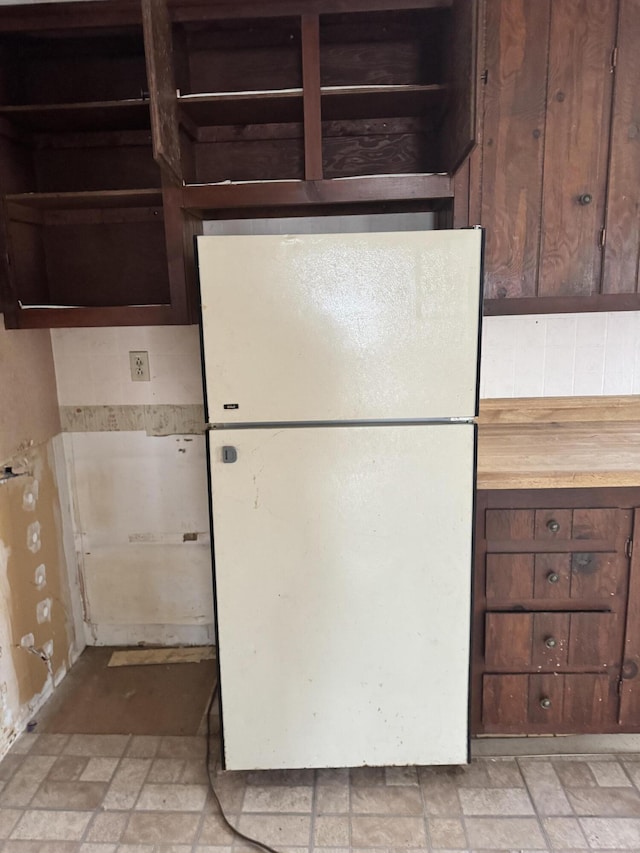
{"x":508,"y":640}
{"x":552,"y":576}
{"x":393,"y":154}
{"x":550,"y":640}
{"x":598,"y":576}
{"x":587,"y":703}
{"x":162,"y":87}
{"x":596,"y":639}
{"x":311,"y":98}
{"x":609,"y":523}
{"x":582,"y":37}
{"x":553,"y":524}
{"x":509,"y":577}
{"x":546,"y":700}
{"x":254,"y":160}
{"x":622,"y":249}
{"x":629,"y":708}
{"x":513,"y":138}
{"x":505,"y":701}
{"x":505,"y":524}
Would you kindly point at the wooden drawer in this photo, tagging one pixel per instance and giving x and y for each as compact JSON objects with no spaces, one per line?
{"x":553,"y":702}
{"x":575,"y":576}
{"x":554,"y":641}
{"x":552,"y":525}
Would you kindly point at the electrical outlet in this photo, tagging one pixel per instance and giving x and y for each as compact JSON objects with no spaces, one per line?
{"x":139,"y":363}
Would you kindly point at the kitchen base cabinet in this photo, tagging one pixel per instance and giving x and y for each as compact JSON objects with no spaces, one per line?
{"x":557,"y":612}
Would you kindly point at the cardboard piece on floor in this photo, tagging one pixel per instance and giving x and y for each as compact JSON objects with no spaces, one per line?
{"x":144,"y":657}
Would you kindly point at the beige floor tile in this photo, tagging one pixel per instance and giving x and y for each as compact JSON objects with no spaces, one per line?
{"x":609,"y":774}
{"x":277,"y":798}
{"x":332,"y":849}
{"x":51,"y":825}
{"x":14,"y":846}
{"x":276,"y":830}
{"x":474,"y":775}
{"x":194,"y":772}
{"x":331,"y":832}
{"x":143,"y":746}
{"x":166,"y":770}
{"x":500,"y":802}
{"x":544,"y":787}
{"x":608,"y":833}
{"x":564,"y":833}
{"x":332,"y":799}
{"x":446,"y":833}
{"x":503,"y":773}
{"x":135,"y":848}
{"x":230,"y":787}
{"x":107,"y":827}
{"x":10,"y":765}
{"x":97,"y":847}
{"x":182,"y":747}
{"x":99,"y":770}
{"x":332,"y":776}
{"x":21,"y":789}
{"x":179,"y":798}
{"x":602,"y":802}
{"x":8,"y":819}
{"x":210,"y":848}
{"x":385,"y":799}
{"x":574,"y":774}
{"x":401,"y":776}
{"x":49,"y":744}
{"x":165,"y":828}
{"x":69,"y":795}
{"x":68,"y":768}
{"x":504,"y":833}
{"x":103,"y":746}
{"x":126,"y":783}
{"x":173,"y":848}
{"x":214,"y":832}
{"x":280,"y":777}
{"x":24,"y":744}
{"x":367,"y":831}
{"x":440,"y":796}
{"x":365,"y":777}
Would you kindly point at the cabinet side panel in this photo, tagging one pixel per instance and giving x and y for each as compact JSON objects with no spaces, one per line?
{"x":622,"y":250}
{"x":513,"y":134}
{"x":576,"y":146}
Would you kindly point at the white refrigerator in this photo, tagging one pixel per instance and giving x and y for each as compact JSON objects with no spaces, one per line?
{"x":341,"y":377}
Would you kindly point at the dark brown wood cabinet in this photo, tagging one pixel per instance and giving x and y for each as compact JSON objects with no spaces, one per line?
{"x":556,"y":637}
{"x":556,"y":182}
{"x":124,"y":123}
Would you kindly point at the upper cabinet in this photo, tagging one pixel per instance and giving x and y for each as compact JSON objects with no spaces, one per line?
{"x":125,"y":123}
{"x":559,"y":165}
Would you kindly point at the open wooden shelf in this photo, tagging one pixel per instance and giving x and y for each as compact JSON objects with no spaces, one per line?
{"x":90,"y":116}
{"x":87,"y":200}
{"x":286,"y":105}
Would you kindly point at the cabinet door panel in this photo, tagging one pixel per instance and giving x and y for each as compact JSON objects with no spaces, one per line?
{"x":582,"y":37}
{"x":587,"y":702}
{"x":622,"y":250}
{"x":546,"y":699}
{"x":553,"y":524}
{"x":513,"y":133}
{"x":459,"y":126}
{"x":550,"y":640}
{"x":629,"y":710}
{"x":552,"y":576}
{"x":598,"y":575}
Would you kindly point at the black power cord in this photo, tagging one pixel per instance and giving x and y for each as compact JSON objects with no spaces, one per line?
{"x":259,"y":844}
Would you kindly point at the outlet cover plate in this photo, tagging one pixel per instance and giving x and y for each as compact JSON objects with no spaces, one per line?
{"x":139,"y":364}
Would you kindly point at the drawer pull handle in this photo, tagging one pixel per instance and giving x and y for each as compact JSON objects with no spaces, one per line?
{"x":545,"y":703}
{"x":553,"y":577}
{"x":551,"y":642}
{"x":553,"y":525}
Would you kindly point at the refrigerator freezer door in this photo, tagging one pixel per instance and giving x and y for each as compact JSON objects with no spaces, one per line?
{"x":341,"y":326}
{"x":343,"y":577}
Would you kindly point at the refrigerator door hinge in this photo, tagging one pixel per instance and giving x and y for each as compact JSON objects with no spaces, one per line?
{"x":603,"y":238}
{"x":628,"y":547}
{"x":614,"y":58}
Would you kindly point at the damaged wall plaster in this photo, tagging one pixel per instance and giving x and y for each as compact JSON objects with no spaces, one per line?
{"x":37,"y":636}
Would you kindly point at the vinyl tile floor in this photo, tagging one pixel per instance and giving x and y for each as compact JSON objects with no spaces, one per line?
{"x":143,"y":794}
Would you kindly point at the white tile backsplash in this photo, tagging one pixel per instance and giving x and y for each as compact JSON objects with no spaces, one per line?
{"x":522,"y":356}
{"x":561,"y":355}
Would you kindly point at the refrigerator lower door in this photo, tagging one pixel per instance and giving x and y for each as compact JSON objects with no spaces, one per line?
{"x":343,"y":577}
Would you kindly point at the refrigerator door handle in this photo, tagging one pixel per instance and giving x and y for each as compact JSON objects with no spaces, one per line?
{"x":229,"y":454}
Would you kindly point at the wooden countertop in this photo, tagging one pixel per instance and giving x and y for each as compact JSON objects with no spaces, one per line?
{"x":559,"y":442}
